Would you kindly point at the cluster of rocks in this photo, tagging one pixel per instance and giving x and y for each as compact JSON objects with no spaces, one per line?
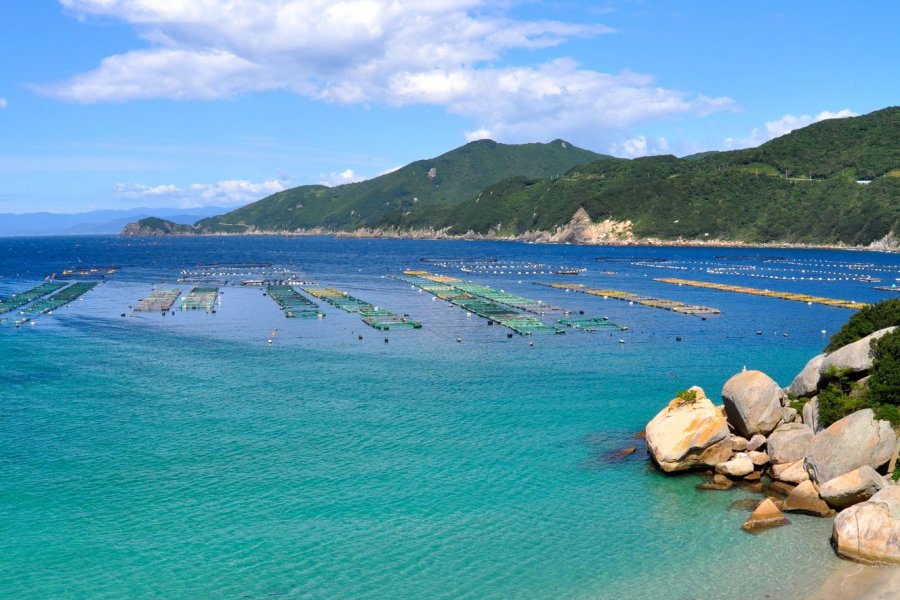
{"x":758,"y":440}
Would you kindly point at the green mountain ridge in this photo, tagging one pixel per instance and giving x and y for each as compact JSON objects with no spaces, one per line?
{"x":836,"y":181}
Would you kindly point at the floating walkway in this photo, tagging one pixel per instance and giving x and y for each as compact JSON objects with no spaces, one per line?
{"x":767,"y":293}
{"x":488,"y":305}
{"x":18,"y":300}
{"x":201,"y":298}
{"x":886,"y":288}
{"x":293,"y":303}
{"x":372,"y":316}
{"x":158,"y":301}
{"x":60,"y":299}
{"x":672,"y":305}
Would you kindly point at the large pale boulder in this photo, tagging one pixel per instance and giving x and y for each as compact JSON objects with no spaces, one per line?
{"x":789,"y":442}
{"x":852,"y":488}
{"x":856,"y":440}
{"x":738,"y":466}
{"x":689,"y":434}
{"x":753,"y":403}
{"x":805,"y":499}
{"x":870,"y":532}
{"x":766,"y":515}
{"x":811,"y":414}
{"x":738,"y":443}
{"x":806,"y":382}
{"x":853,"y":358}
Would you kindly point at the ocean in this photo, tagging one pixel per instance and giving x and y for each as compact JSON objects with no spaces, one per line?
{"x":187,"y":456}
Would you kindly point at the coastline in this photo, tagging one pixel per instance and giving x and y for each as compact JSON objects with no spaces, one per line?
{"x":855,"y":581}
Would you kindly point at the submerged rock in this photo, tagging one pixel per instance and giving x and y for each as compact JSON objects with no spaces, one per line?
{"x":806,"y":382}
{"x":870,"y":532}
{"x":852,"y":488}
{"x":765,"y":516}
{"x":805,"y":499}
{"x":753,"y":403}
{"x":789,"y":442}
{"x":718,"y":483}
{"x":856,"y":440}
{"x":853,"y":358}
{"x":688,"y":434}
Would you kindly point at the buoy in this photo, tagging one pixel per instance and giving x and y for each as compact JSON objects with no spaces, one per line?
{"x":508,"y":335}
{"x":458,"y":340}
{"x":678,"y":338}
{"x":360,"y":337}
{"x":621,"y":341}
{"x":269,"y":341}
{"x":385,"y":340}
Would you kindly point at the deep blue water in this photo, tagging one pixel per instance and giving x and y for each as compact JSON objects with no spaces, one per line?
{"x":184,"y":456}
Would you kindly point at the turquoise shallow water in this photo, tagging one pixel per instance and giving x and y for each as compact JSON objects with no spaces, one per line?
{"x":185,"y":457}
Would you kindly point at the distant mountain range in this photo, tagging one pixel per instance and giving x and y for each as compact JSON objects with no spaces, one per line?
{"x":836,"y":181}
{"x":94,"y":222}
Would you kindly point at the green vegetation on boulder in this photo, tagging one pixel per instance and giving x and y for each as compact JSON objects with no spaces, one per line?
{"x":866,"y":321}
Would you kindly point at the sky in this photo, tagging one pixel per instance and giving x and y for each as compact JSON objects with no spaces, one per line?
{"x":116,"y":104}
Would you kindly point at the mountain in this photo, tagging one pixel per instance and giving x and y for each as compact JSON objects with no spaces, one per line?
{"x":437,"y":183}
{"x":836,"y":181}
{"x":93,"y":222}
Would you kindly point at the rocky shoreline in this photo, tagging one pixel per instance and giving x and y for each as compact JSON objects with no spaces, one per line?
{"x":760,"y":440}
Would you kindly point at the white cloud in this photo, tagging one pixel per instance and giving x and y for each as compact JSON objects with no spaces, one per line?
{"x":478,"y":134}
{"x":640,"y":146}
{"x":782,"y":126}
{"x":341,"y":178}
{"x":223,"y":193}
{"x":388,"y":52}
{"x":3,"y":103}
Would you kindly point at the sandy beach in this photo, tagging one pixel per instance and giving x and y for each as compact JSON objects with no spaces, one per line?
{"x":852,"y":581}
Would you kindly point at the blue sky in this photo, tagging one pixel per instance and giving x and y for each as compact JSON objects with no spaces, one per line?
{"x":125,"y":103}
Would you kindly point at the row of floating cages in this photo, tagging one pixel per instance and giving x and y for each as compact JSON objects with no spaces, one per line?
{"x":293,"y":303}
{"x":61,"y":298}
{"x":21,"y":299}
{"x":372,"y":315}
{"x":835,"y":302}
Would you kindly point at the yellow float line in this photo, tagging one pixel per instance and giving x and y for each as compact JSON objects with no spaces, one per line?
{"x":739,"y":289}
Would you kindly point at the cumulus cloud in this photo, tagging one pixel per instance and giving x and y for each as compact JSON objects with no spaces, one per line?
{"x":639,"y":146}
{"x":386,"y":52}
{"x":782,"y":126}
{"x":3,"y":103}
{"x":223,"y":193}
{"x":340,"y":178}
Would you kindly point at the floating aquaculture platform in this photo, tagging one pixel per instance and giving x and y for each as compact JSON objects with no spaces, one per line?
{"x":767,"y":293}
{"x":158,"y":301}
{"x":61,"y":298}
{"x":590,"y":323}
{"x":18,"y":300}
{"x":201,"y":298}
{"x":372,"y":315}
{"x":259,"y":274}
{"x":672,"y":305}
{"x":887,"y":288}
{"x":293,"y":303}
{"x":487,"y":306}
{"x":97,"y":272}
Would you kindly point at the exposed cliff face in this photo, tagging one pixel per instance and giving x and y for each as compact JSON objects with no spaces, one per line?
{"x":888,"y":243}
{"x":581,"y":230}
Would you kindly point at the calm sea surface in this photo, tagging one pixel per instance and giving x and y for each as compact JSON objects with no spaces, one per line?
{"x":184,"y":456}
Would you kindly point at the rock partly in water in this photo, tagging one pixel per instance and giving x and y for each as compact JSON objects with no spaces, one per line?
{"x":789,"y":442}
{"x":856,"y":440}
{"x":688,"y":434}
{"x":753,"y":403}
{"x":870,"y":532}
{"x":779,"y":487}
{"x":756,"y":442}
{"x":718,"y":483}
{"x":805,"y":499}
{"x":738,"y":466}
{"x":811,"y":414}
{"x":852,"y":488}
{"x":853,"y":358}
{"x":765,"y":516}
{"x":806,"y":382}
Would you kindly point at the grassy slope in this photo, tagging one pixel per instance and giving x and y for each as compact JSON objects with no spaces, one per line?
{"x":460,"y":174}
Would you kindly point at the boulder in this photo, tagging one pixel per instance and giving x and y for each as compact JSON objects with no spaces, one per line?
{"x":719,"y":482}
{"x":759,"y":458}
{"x":753,"y":403}
{"x":789,"y":442}
{"x":738,"y":466}
{"x":738,"y":443}
{"x":806,"y":382}
{"x":856,"y":440}
{"x":855,"y":357}
{"x":793,"y":472}
{"x":756,"y":442}
{"x":766,"y":515}
{"x":811,"y":414}
{"x":688,"y":434}
{"x":805,"y":499}
{"x":852,"y":488}
{"x":870,"y":532}
{"x":788,"y":414}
